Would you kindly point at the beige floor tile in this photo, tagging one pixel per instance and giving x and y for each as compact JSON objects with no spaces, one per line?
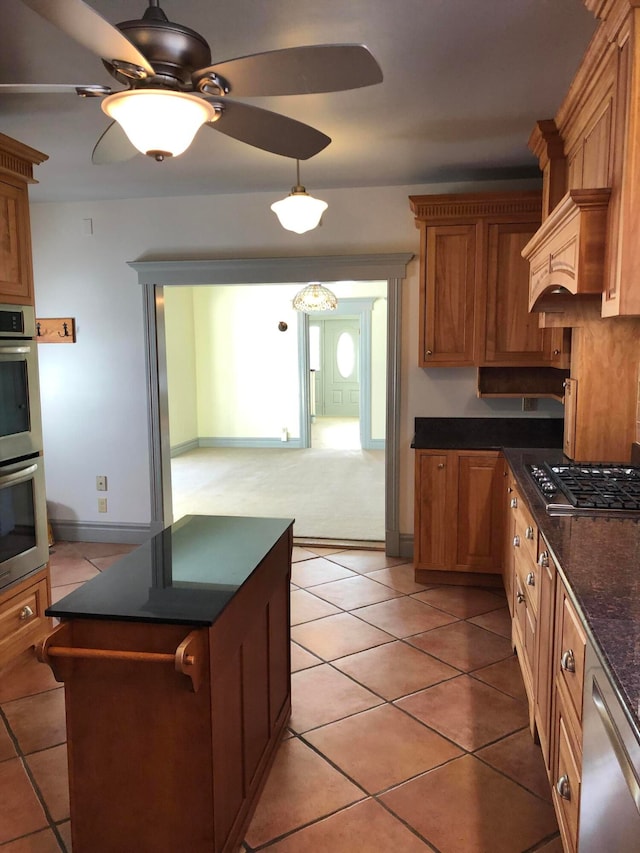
{"x":518,"y":757}
{"x":319,"y":570}
{"x":322,"y":695}
{"x":464,"y":646}
{"x":366,"y":827}
{"x":300,"y":788}
{"x":92,"y":550}
{"x":462,"y":601}
{"x":24,"y":676}
{"x":103,"y":563}
{"x":404,"y":616}
{"x":395,"y":669}
{"x":381,"y":747}
{"x":68,"y":569}
{"x":366,"y":561}
{"x":504,"y":675}
{"x":467,"y":711}
{"x":398,"y":577}
{"x":354,"y":592}
{"x":21,"y":811}
{"x":40,"y":842}
{"x":466,"y":807}
{"x":37,"y":721}
{"x":50,"y":772}
{"x":7,"y":749}
{"x":337,"y":636}
{"x":299,"y":554}
{"x":301,"y":658}
{"x":305,"y":607}
{"x":65,"y":831}
{"x":59,"y":592}
{"x":498,"y":621}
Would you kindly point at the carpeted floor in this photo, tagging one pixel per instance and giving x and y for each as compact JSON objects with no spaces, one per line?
{"x":331,"y":493}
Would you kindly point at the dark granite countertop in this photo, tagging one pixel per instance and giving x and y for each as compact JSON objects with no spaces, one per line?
{"x":487,"y":433}
{"x":186,"y":574}
{"x":599,"y":558}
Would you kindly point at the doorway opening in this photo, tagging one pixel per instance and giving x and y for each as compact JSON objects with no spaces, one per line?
{"x":259,"y":414}
{"x":155,"y":274}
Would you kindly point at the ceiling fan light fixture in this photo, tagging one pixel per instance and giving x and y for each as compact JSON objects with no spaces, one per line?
{"x":158,"y":122}
{"x":299,"y":211}
{"x":315,"y":297}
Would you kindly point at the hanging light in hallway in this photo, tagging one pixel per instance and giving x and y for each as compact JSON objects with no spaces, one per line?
{"x":315,"y":297}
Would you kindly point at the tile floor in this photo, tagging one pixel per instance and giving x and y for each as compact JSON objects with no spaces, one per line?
{"x":408,"y":730}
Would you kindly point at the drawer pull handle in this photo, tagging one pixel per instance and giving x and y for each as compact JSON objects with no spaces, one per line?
{"x":509,"y":490}
{"x":516,"y":541}
{"x":529,"y":533}
{"x":543,"y":559}
{"x":26,"y":613}
{"x":429,"y":352}
{"x":568,"y":661}
{"x":563,"y":787}
{"x":514,"y":503}
{"x":440,"y":464}
{"x":531,"y":579}
{"x":556,"y":352}
{"x":520,"y":597}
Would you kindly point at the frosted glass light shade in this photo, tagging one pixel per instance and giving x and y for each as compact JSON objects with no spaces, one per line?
{"x":315,"y":297}
{"x":299,"y":211}
{"x":158,"y":123}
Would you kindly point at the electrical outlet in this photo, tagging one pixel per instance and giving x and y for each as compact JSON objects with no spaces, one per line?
{"x":102,"y":504}
{"x":101,"y":482}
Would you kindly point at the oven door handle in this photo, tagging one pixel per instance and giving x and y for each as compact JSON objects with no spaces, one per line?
{"x":19,"y":473}
{"x":14,"y":350}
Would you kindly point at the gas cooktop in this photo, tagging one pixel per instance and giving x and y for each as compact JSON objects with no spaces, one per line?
{"x":588,"y":488}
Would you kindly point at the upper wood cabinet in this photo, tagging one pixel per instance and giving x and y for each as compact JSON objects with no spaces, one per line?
{"x":474,"y":281}
{"x":16,"y":171}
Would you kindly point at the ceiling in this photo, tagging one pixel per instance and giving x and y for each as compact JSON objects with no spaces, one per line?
{"x":464,"y":83}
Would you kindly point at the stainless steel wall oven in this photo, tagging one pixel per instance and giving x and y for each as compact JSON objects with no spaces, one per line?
{"x":23,"y":509}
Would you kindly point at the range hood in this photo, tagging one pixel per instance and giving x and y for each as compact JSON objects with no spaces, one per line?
{"x":566,"y":254}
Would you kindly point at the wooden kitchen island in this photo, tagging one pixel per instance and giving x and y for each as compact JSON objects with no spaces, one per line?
{"x":176,"y":666}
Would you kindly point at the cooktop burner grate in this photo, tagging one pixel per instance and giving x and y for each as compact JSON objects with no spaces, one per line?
{"x":589,"y":487}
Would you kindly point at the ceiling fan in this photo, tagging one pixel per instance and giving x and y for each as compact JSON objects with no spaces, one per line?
{"x":172,"y":87}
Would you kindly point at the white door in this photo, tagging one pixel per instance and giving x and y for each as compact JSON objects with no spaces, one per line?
{"x":338,"y":379}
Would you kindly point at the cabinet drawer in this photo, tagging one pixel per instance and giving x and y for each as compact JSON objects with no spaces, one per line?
{"x":566,"y":786}
{"x":528,"y":573}
{"x":570,"y":653}
{"x":525,"y":537}
{"x":22,"y":618}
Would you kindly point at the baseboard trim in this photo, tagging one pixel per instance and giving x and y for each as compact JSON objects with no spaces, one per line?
{"x":374,"y":444}
{"x":87,"y":531}
{"x":185,"y":447}
{"x":291,"y":444}
{"x":428,"y":576}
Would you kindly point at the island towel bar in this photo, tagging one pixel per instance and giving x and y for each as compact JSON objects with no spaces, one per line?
{"x":187,"y":658}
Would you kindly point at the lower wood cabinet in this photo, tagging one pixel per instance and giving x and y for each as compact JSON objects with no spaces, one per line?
{"x":22,"y":619}
{"x":459,"y":515}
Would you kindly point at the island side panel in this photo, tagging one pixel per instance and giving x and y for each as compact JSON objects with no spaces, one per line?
{"x":251,"y":683}
{"x":139,"y":742}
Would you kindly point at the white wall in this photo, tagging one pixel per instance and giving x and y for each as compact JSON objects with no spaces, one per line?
{"x":181,"y":364}
{"x":94,"y":392}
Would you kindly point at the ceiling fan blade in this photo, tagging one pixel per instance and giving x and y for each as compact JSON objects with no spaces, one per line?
{"x":53,"y":89}
{"x":298,"y":70}
{"x":270,"y":131}
{"x":113,"y":147}
{"x":89,"y":28}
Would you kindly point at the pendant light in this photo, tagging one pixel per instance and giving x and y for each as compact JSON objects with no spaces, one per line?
{"x":159,"y":122}
{"x":299,"y":211}
{"x":315,"y":297}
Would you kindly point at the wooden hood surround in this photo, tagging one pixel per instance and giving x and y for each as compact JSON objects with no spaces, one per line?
{"x":585,"y":258}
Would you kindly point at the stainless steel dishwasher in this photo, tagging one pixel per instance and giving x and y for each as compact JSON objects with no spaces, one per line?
{"x":610,"y":797}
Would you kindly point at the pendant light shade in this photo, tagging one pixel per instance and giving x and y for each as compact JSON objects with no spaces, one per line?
{"x":159,"y":123}
{"x":299,"y":211}
{"x":315,"y":297}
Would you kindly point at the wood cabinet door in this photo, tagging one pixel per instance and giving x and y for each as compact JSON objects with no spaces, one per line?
{"x":447,"y":295}
{"x":570,"y":410}
{"x":15,"y":244}
{"x":480,"y":512}
{"x":508,"y":333}
{"x":434,"y":509}
{"x":544,"y":674}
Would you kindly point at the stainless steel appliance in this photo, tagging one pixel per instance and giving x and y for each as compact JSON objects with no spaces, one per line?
{"x":20,"y":421}
{"x":610,"y":797}
{"x":24,"y":542}
{"x":588,"y":488}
